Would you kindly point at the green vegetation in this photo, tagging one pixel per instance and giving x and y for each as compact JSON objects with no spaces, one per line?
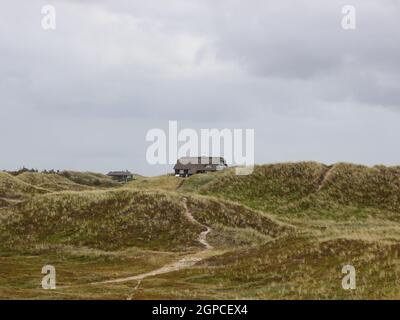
{"x":198,"y":181}
{"x":76,"y":267}
{"x":292,"y":267}
{"x":166,"y":182}
{"x":90,"y":179}
{"x":283,"y":232}
{"x":377,"y":187}
{"x":13,"y":188}
{"x":51,"y":181}
{"x":313,"y":190}
{"x":225,"y":214}
{"x":112,"y":220}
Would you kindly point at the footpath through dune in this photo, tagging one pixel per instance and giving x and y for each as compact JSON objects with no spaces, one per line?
{"x":185,"y":262}
{"x":203,"y":236}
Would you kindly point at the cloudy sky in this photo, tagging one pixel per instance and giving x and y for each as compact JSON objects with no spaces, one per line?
{"x":84,"y":96}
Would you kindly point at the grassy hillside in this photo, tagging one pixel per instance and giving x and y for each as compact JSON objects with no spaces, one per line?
{"x":340,"y":191}
{"x":121,"y":218}
{"x":363,"y":186}
{"x":90,"y":179}
{"x":53,"y":181}
{"x":295,"y":268}
{"x":100,"y":219}
{"x":283,"y":232}
{"x":14,"y":188}
{"x":288,"y":180}
{"x":292,"y":267}
{"x":198,"y":182}
{"x":76,"y":266}
{"x":234,"y":223}
{"x":165,"y":182}
{"x":4,"y":203}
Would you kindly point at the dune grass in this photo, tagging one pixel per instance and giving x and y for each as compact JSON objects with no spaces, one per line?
{"x":164,"y":182}
{"x":90,"y":179}
{"x":293,"y":267}
{"x":51,"y":181}
{"x":75,"y":267}
{"x":283,"y":232}
{"x":313,"y":190}
{"x":13,"y":188}
{"x":112,"y":219}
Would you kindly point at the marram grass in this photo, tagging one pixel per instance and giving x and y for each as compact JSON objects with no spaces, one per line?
{"x":284,"y":232}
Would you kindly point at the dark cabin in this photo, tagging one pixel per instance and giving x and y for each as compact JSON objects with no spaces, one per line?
{"x":188,"y":166}
{"x":121,"y":176}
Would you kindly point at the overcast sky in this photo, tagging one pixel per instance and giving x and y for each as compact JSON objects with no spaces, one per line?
{"x":83,"y":96}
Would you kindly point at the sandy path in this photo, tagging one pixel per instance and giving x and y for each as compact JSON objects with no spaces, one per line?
{"x":324,"y":177}
{"x":183,"y":263}
{"x":178,"y":265}
{"x":203,"y":236}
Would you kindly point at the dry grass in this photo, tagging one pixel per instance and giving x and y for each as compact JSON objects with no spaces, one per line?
{"x":13,"y":188}
{"x":308,"y":189}
{"x":90,"y":179}
{"x":293,"y":267}
{"x":112,"y":219}
{"x":283,"y":232}
{"x":77,"y":267}
{"x":217,"y":213}
{"x":166,"y":183}
{"x":377,"y":187}
{"x":52,"y":182}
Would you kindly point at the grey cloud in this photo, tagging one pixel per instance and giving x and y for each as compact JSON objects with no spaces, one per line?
{"x":83,"y":96}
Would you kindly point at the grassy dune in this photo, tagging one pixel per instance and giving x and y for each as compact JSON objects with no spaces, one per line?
{"x":293,"y":267}
{"x":284,"y":231}
{"x":198,"y":182}
{"x":377,"y":187}
{"x":4,"y":203}
{"x":76,"y":267}
{"x":165,"y":182}
{"x":225,"y":217}
{"x":14,"y":188}
{"x":341,"y":191}
{"x":90,"y":179}
{"x":290,"y":181}
{"x":53,"y":182}
{"x":113,"y":219}
{"x":117,"y":219}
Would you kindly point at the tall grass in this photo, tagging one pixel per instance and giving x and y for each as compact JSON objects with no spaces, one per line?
{"x":313,"y":188}
{"x":101,"y":219}
{"x":13,"y":188}
{"x":51,"y":181}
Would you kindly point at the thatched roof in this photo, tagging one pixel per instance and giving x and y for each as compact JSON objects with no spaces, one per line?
{"x":119,"y":173}
{"x":195,"y":164}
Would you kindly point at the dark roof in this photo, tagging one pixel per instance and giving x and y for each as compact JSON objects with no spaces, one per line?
{"x":119,"y":173}
{"x":194,"y":164}
{"x":201,"y":160}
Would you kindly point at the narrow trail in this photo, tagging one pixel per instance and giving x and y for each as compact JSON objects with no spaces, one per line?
{"x":203,"y":236}
{"x":186,"y":262}
{"x":181,"y":183}
{"x":130,"y":297}
{"x":324,"y":177}
{"x":10,"y":202}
